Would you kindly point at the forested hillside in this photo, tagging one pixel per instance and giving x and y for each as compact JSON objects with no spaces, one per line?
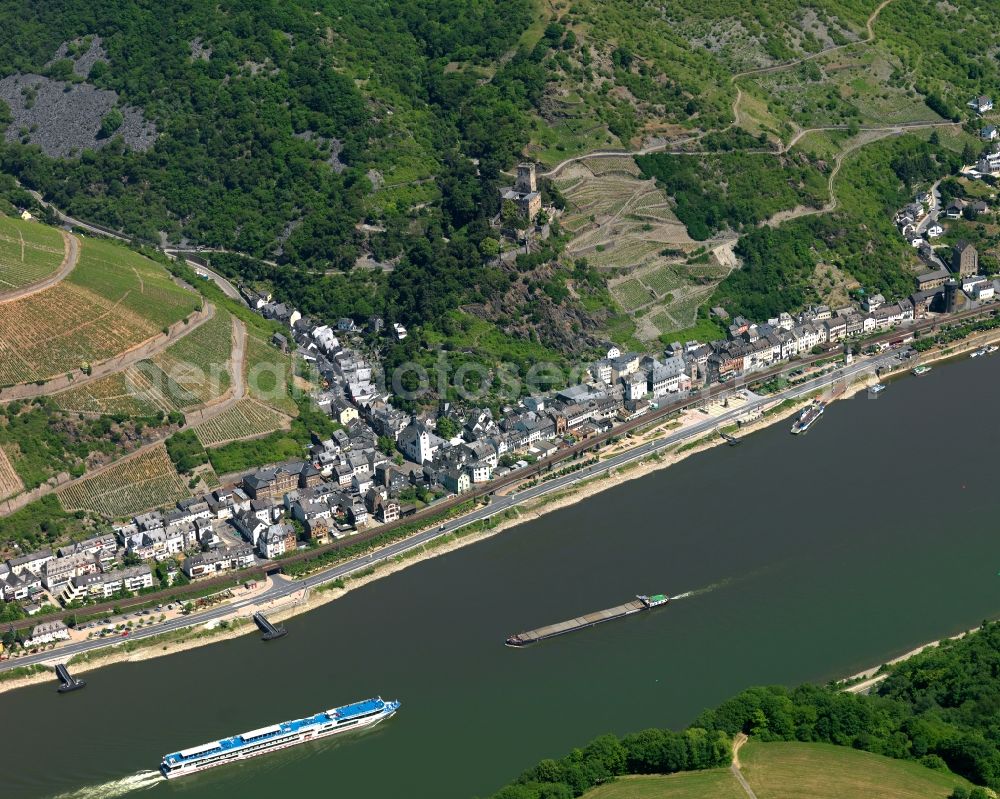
{"x":271,"y":114}
{"x":328,"y":134}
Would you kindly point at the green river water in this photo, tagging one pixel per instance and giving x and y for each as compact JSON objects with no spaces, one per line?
{"x":806,"y":558}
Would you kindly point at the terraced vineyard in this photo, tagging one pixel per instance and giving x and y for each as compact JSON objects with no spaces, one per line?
{"x":127,"y":488}
{"x":133,"y":282}
{"x":269,"y":374}
{"x":29,"y":252}
{"x":113,"y":300}
{"x":248,"y":418}
{"x":189,"y":373}
{"x":662,"y":280}
{"x":627,"y":252}
{"x":10,"y":482}
{"x":621,"y":164}
{"x":195,"y":370}
{"x":128,"y":392}
{"x":632,"y":295}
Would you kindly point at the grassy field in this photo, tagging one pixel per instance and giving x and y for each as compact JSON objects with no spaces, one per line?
{"x":711,"y":784}
{"x":125,"y":489}
{"x":29,"y":252}
{"x":794,"y":771}
{"x":824,"y":771}
{"x":113,"y":300}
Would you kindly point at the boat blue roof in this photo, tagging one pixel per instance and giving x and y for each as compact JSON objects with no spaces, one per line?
{"x":285,"y":727}
{"x":358,"y":708}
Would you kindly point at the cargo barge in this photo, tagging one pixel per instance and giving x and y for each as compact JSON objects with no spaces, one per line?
{"x":640,"y":603}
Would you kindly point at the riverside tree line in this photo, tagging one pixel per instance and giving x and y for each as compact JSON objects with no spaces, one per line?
{"x":938,"y":708}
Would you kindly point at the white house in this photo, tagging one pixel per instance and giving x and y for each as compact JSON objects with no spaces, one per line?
{"x":989,"y":163}
{"x":970,"y":282}
{"x":873,"y":302}
{"x":418,"y":443}
{"x":665,"y":377}
{"x":103,"y":586}
{"x":32,"y":561}
{"x":981,"y":104}
{"x":59,"y":571}
{"x":984,"y":291}
{"x":635,"y":387}
{"x":275,"y":541}
{"x":207,"y":563}
{"x":480,"y":471}
{"x":48,"y":632}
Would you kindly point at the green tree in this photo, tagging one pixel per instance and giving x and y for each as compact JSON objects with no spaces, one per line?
{"x":110,"y":123}
{"x":447,"y":427}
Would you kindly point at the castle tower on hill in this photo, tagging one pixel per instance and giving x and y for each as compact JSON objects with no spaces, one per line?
{"x":524,"y":193}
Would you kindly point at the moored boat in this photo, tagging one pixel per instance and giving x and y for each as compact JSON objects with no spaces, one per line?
{"x":921,"y":370}
{"x":808,"y":417}
{"x":356,"y":716}
{"x":878,"y":388}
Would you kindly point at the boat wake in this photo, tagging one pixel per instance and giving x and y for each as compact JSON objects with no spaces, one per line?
{"x":107,"y":790}
{"x":699,"y":591}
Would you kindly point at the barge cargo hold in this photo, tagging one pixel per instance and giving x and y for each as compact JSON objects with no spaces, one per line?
{"x":640,"y":603}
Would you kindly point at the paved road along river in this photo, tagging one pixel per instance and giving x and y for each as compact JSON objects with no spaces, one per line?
{"x":803,"y":558}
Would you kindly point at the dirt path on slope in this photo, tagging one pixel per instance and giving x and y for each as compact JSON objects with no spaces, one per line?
{"x":738,"y":741}
{"x":237,"y":380}
{"x":71,"y":254}
{"x":864,"y":138}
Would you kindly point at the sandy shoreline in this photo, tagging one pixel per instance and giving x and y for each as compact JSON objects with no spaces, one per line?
{"x":303,"y":602}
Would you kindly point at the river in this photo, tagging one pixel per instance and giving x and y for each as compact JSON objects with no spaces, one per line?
{"x":810,"y":558}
